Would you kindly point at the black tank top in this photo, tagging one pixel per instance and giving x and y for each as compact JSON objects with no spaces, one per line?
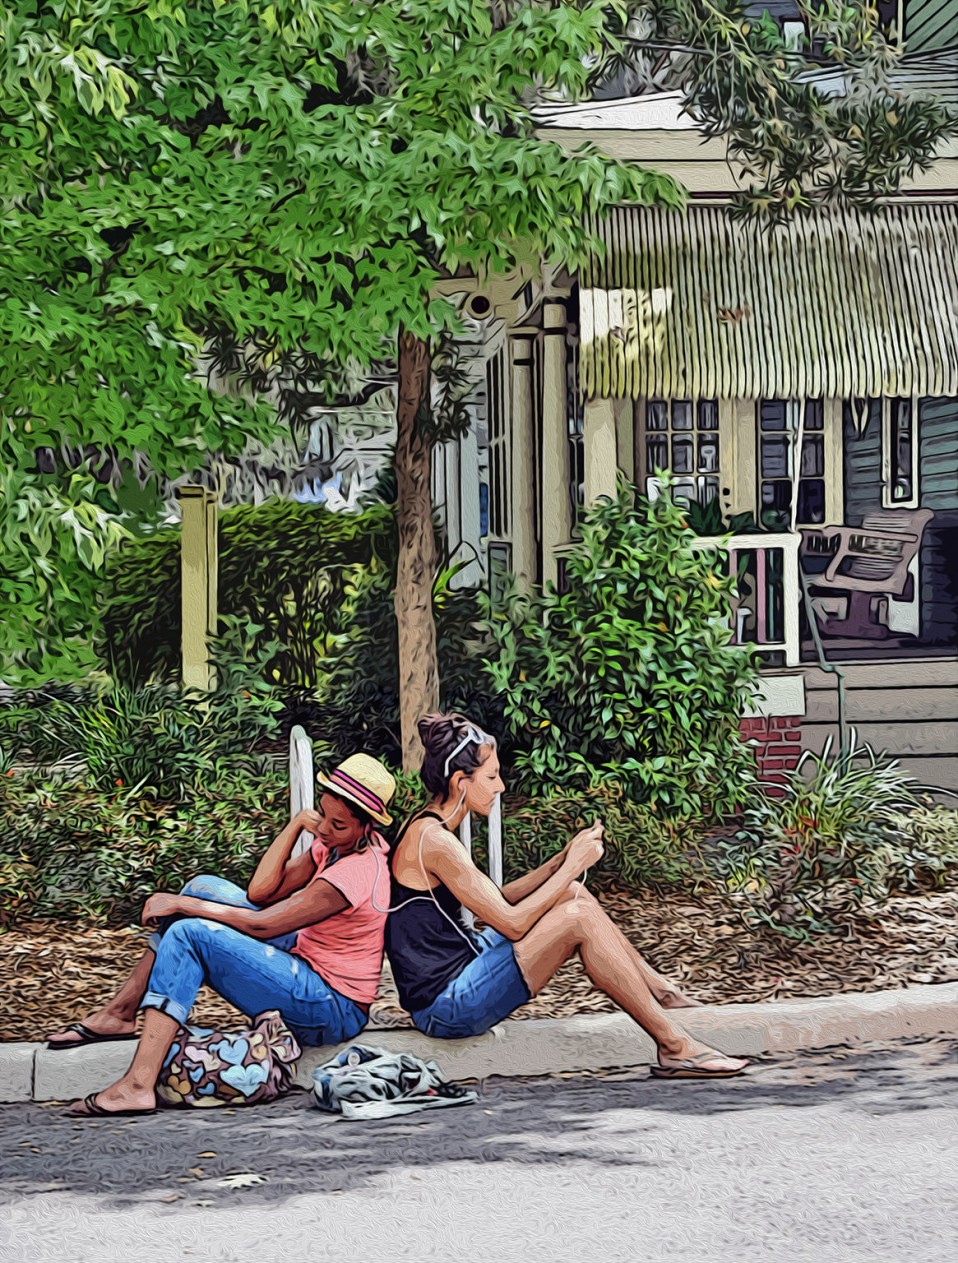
{"x":425,"y":951}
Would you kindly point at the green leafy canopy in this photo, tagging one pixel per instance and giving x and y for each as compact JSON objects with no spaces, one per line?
{"x":299,"y":174}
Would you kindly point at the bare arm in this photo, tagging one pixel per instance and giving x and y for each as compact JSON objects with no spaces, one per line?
{"x":532,"y":880}
{"x":444,"y":858}
{"x":314,"y":903}
{"x":278,"y":874}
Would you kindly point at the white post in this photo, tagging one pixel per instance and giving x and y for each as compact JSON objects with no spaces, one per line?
{"x":302,"y":786}
{"x":555,"y":496}
{"x":465,"y":837}
{"x":495,"y":841}
{"x":790,"y":600}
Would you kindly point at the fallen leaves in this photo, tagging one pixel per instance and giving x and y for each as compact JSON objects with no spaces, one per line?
{"x":51,"y":974}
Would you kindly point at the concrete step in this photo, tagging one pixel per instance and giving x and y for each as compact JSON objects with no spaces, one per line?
{"x":893,"y":674}
{"x":876,"y":705}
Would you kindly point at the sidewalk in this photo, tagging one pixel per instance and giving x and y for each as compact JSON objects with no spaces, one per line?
{"x":31,"y":1072}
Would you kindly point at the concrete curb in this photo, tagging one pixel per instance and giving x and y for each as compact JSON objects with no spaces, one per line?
{"x":31,"y":1072}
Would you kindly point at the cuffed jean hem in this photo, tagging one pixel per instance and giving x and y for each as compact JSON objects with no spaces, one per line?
{"x":153,"y":1000}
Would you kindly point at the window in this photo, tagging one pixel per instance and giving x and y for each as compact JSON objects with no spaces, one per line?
{"x":682,"y":437}
{"x":777,"y":439}
{"x":899,"y":453}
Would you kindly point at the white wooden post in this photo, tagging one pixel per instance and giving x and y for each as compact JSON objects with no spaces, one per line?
{"x":495,"y":841}
{"x":465,"y":832}
{"x":302,"y":785}
{"x":792,"y":594}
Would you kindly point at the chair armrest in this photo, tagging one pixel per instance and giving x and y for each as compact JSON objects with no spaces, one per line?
{"x":818,"y":541}
{"x":898,"y":552}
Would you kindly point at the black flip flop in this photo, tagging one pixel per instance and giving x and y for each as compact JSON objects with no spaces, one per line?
{"x":86,"y":1037}
{"x":93,"y":1110}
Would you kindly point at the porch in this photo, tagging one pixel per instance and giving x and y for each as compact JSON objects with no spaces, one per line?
{"x":799,"y":388}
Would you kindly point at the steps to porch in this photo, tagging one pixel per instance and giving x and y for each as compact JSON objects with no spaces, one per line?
{"x":909,"y":708}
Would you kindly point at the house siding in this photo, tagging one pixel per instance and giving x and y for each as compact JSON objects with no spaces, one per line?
{"x":938,"y":485}
{"x":929,"y":24}
{"x":938,"y":491}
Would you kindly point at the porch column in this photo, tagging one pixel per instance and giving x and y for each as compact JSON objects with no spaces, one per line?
{"x":522,"y":412}
{"x":555,"y":469}
{"x":599,"y":449}
{"x":199,"y":565}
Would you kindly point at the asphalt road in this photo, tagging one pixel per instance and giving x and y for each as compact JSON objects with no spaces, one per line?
{"x":846,"y":1156}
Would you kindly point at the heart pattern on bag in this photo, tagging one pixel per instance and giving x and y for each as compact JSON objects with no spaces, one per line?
{"x":206,"y":1068}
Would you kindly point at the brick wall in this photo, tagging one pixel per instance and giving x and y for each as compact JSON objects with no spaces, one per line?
{"x":777,"y":742}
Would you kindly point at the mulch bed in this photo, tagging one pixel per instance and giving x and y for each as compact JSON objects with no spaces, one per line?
{"x":52,"y":974}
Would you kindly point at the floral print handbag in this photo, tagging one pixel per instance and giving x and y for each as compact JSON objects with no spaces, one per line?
{"x":206,"y":1068}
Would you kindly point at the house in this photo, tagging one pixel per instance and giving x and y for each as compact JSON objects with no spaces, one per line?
{"x":804,"y":381}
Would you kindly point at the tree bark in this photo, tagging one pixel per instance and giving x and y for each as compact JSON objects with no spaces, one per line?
{"x":416,"y":569}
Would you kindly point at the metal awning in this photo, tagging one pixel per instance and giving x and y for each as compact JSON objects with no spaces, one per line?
{"x":837,"y":304}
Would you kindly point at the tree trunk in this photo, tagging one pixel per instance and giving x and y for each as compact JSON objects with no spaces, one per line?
{"x":416,"y":570}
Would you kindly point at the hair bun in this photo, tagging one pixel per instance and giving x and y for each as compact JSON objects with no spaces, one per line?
{"x":433,"y":727}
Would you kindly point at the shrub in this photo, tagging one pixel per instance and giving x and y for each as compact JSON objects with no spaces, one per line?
{"x":70,"y":850}
{"x":153,"y":739}
{"x":284,"y":571}
{"x":847,"y":832}
{"x":642,"y":849}
{"x":356,"y":702}
{"x":631,"y":674}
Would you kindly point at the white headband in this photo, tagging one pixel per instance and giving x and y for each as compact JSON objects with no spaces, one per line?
{"x":473,"y":737}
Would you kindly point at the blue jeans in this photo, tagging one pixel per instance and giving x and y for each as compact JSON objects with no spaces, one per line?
{"x":489,"y":988}
{"x":253,"y":974}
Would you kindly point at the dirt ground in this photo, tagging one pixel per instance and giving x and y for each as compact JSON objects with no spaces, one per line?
{"x":52,"y":974}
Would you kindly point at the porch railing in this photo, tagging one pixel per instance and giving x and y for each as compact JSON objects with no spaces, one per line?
{"x":765,"y":607}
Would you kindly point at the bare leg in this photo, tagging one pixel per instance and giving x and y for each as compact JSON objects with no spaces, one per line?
{"x":118,"y":1015}
{"x":615,"y":967}
{"x":667,"y":993}
{"x":137,"y":1088}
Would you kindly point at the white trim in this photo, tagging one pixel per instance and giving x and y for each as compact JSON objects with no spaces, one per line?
{"x":302,"y":784}
{"x":656,"y":111}
{"x":887,"y":499}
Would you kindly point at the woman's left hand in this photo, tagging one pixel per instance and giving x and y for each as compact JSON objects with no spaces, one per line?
{"x":159,"y":906}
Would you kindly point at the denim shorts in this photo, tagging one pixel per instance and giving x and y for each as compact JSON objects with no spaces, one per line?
{"x":489,"y":988}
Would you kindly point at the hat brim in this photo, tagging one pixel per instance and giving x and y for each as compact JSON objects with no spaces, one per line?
{"x":381,"y":817}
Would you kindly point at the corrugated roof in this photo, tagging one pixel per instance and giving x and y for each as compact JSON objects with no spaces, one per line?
{"x":837,"y":304}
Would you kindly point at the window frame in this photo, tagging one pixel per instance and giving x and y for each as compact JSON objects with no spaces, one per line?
{"x":889,"y":465}
{"x":651,"y":483}
{"x":823,"y":432}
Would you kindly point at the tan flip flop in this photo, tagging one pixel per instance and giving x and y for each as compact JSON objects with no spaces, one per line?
{"x":694,"y":1068}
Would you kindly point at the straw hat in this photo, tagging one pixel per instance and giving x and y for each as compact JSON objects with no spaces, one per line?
{"x":364,"y":781}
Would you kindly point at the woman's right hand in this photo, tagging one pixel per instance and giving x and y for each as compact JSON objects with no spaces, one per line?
{"x":585,"y":850}
{"x":309,"y":820}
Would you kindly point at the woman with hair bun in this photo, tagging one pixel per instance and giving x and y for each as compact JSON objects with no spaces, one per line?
{"x":456,"y":983}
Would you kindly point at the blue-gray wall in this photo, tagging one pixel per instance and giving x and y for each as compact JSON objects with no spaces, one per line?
{"x":938,"y":491}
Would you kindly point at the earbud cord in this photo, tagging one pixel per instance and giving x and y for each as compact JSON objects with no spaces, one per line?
{"x":430,"y":896}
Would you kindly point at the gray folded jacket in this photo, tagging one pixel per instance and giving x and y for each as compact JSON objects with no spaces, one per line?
{"x":363,"y":1083}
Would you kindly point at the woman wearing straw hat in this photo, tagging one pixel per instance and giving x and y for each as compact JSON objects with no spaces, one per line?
{"x":306,"y":938}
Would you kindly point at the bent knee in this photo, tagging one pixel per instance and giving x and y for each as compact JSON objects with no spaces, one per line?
{"x":579,"y":909}
{"x":191,"y":930}
{"x":207,"y":886}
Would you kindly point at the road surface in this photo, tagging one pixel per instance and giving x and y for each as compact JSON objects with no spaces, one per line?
{"x":848,"y":1155}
